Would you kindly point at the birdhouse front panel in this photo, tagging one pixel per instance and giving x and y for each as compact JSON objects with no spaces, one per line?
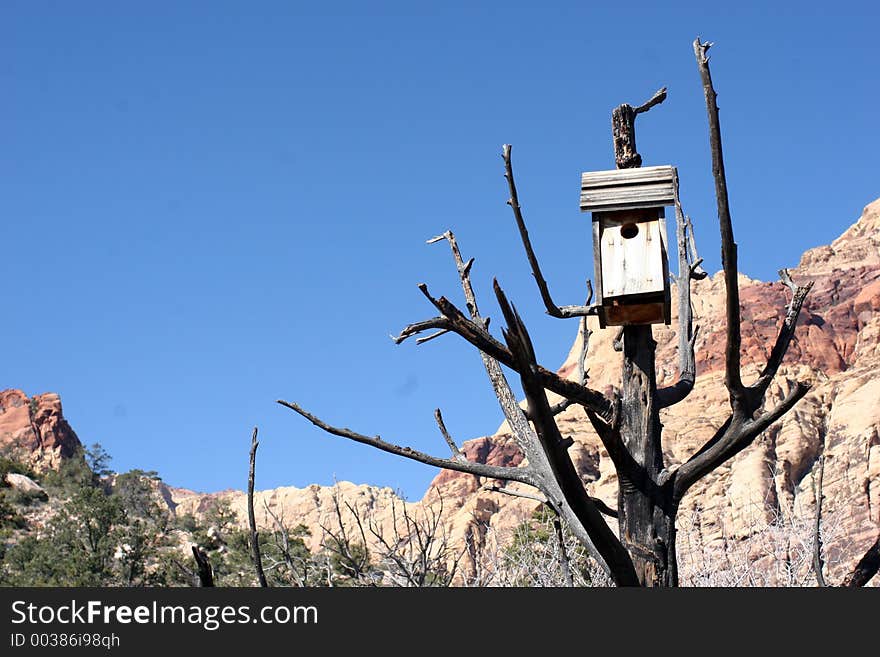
{"x":632,"y":254}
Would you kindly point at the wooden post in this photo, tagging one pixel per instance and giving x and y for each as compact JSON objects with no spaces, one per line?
{"x":623,"y":131}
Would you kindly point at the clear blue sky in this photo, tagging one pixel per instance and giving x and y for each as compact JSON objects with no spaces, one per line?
{"x":209,"y":206}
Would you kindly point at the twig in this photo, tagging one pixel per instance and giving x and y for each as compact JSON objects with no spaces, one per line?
{"x":658,"y":97}
{"x":427,"y":338}
{"x":284,"y":547}
{"x":456,"y":452}
{"x":697,"y":271}
{"x":493,"y":488}
{"x":252,"y":522}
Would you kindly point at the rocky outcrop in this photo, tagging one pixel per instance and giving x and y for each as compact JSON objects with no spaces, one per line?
{"x":25,"y":485}
{"x":34,"y":429}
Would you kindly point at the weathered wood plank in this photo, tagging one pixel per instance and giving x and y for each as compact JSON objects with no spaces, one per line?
{"x":606,"y":200}
{"x":632,"y":257}
{"x":635,"y":314}
{"x":615,"y":177}
{"x":627,"y":188}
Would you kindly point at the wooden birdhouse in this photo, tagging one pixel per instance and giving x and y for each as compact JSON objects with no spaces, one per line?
{"x":629,"y":242}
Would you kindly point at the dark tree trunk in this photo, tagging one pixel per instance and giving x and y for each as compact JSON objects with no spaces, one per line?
{"x":646,"y":517}
{"x":646,"y":513}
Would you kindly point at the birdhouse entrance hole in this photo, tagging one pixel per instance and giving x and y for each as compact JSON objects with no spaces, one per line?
{"x":628,"y":231}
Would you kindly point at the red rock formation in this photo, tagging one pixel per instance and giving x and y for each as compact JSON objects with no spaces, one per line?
{"x":34,"y":428}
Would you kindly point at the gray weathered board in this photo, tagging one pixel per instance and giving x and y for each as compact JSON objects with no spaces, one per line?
{"x":626,"y":189}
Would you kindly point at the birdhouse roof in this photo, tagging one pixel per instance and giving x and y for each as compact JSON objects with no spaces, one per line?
{"x":628,"y":189}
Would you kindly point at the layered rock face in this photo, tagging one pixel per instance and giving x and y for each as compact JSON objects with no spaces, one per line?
{"x":34,"y":428}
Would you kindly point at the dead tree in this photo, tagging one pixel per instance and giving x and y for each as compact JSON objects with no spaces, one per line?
{"x":626,"y":421}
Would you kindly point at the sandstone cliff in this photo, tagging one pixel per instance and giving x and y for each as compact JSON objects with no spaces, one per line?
{"x":33,"y":428}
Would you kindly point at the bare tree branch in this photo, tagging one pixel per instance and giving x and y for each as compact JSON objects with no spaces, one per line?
{"x":522,"y":475}
{"x":735,"y":435}
{"x":658,"y":97}
{"x":476,"y":335}
{"x":556,"y":452}
{"x":464,"y":274}
{"x":697,"y":271}
{"x":421,"y":555}
{"x":585,"y":333}
{"x":252,"y":522}
{"x":783,"y":340}
{"x":564,"y":562}
{"x":687,"y":334}
{"x":523,"y":433}
{"x":282,"y":542}
{"x":866,"y":568}
{"x":456,"y":452}
{"x":428,"y":338}
{"x":818,"y":561}
{"x":552,"y":309}
{"x":733,"y":377}
{"x":414,"y":329}
{"x":493,"y":488}
{"x":514,"y":415}
{"x":585,"y":344}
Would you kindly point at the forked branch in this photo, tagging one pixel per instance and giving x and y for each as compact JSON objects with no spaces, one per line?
{"x":474,"y":333}
{"x":742,"y":427}
{"x":734,"y":436}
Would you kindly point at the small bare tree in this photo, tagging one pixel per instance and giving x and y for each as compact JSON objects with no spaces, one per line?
{"x":417,"y":550}
{"x":627,"y":421}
